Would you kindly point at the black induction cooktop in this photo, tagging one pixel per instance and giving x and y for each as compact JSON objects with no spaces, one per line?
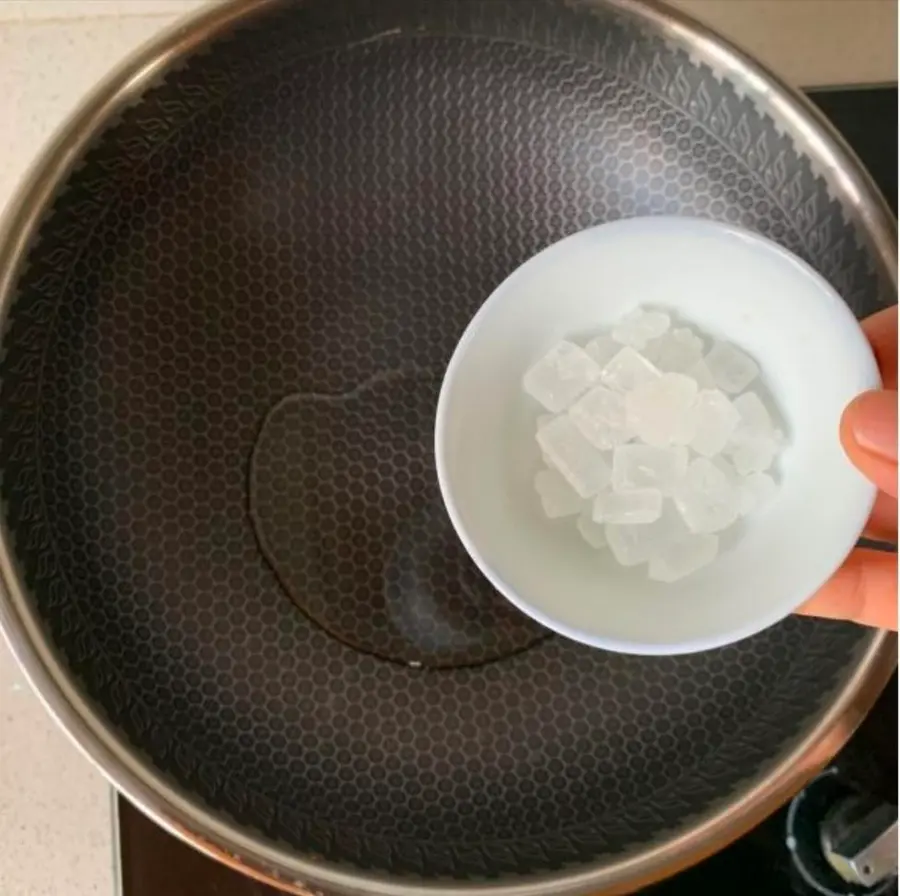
{"x":153,"y":863}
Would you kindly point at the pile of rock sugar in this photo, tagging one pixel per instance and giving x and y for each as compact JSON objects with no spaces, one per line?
{"x":652,"y":441}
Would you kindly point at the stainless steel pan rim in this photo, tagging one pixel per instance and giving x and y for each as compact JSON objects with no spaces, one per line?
{"x":195,"y":824}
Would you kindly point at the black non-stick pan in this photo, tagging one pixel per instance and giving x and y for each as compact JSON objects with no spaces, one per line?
{"x":229,"y":292}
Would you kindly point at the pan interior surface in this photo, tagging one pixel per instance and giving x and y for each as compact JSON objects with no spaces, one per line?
{"x":316,"y":203}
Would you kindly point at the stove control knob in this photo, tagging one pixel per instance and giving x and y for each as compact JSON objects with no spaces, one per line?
{"x":842,"y":842}
{"x":859,"y":840}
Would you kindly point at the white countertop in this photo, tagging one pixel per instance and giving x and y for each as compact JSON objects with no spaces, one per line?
{"x":55,"y":819}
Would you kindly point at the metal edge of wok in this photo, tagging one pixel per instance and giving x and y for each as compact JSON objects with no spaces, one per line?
{"x":187,"y":818}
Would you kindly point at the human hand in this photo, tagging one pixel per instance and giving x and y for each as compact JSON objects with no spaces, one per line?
{"x":864,"y":589}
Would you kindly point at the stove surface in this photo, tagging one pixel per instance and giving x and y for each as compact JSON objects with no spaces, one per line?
{"x":154,"y":863}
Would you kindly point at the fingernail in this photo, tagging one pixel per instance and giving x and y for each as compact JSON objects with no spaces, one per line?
{"x":872,"y":420}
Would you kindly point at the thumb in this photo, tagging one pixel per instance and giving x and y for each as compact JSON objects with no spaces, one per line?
{"x":869,"y":436}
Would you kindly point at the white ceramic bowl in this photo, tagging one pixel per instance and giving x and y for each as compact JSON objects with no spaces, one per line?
{"x":730,"y":283}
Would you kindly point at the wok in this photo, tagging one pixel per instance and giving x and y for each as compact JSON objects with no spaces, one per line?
{"x":228,"y":292}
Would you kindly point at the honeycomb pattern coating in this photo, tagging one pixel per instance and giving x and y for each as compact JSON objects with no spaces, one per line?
{"x":299,"y":209}
{"x":346,"y":506}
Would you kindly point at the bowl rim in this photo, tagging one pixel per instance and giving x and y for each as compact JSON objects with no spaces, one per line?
{"x":195,"y":823}
{"x":457,"y":361}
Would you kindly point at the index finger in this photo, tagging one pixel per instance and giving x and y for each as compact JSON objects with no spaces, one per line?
{"x":881,"y":331}
{"x":863,"y":590}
